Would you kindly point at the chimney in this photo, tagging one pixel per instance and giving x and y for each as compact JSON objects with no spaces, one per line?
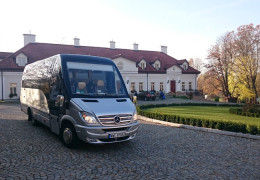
{"x":135,"y":47}
{"x":76,"y":41}
{"x":28,"y":38}
{"x":164,"y":49}
{"x":112,"y":45}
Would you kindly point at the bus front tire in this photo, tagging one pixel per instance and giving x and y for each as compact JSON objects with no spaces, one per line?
{"x":68,"y":136}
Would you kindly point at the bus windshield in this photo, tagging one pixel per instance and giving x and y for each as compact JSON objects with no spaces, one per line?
{"x":95,"y":80}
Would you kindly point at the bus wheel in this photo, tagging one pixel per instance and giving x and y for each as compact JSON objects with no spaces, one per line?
{"x":31,"y":118}
{"x":34,"y":121}
{"x":29,"y":115}
{"x":68,"y":136}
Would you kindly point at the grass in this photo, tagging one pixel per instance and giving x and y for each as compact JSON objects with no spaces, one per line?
{"x":206,"y":112}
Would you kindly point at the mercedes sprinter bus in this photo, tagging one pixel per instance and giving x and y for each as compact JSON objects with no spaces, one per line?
{"x":79,"y":98}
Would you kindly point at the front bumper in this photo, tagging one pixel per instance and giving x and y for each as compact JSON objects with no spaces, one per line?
{"x":107,"y":134}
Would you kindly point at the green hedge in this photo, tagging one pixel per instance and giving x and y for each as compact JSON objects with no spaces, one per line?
{"x":239,"y":111}
{"x":189,"y":104}
{"x":221,"y":125}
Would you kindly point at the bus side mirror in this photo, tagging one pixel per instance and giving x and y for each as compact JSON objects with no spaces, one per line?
{"x":67,"y":104}
{"x":59,"y":101}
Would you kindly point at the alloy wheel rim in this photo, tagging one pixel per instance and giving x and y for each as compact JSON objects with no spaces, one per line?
{"x":67,"y":135}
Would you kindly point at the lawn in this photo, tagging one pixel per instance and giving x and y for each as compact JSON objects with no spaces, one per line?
{"x":206,"y":112}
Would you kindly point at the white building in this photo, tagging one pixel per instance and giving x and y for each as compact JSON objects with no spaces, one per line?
{"x":141,"y":70}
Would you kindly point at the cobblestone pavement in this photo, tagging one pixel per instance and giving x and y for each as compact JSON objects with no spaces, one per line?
{"x":158,"y":152}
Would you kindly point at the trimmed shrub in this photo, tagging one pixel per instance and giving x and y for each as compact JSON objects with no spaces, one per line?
{"x":178,"y":119}
{"x":187,"y":121}
{"x":205,"y":123}
{"x":193,"y":121}
{"x":222,"y":125}
{"x":252,"y":129}
{"x":199,"y":123}
{"x":212,"y":124}
{"x":249,"y":110}
{"x":182,"y":120}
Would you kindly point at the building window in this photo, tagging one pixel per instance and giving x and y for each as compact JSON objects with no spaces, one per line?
{"x":13,"y":89}
{"x":190,"y":86}
{"x":142,"y":65}
{"x":152,"y":86}
{"x":183,"y":86}
{"x":173,"y":68}
{"x":157,"y":66}
{"x":141,"y":87}
{"x":120,"y":66}
{"x":185,"y":66}
{"x":132,"y":86}
{"x":21,"y":59}
{"x":161,"y":86}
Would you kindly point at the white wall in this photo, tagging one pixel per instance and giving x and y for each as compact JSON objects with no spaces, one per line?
{"x":8,"y":78}
{"x":174,"y":69}
{"x":189,"y":78}
{"x":128,"y":66}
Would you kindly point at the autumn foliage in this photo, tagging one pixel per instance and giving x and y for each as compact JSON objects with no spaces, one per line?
{"x":233,"y":66}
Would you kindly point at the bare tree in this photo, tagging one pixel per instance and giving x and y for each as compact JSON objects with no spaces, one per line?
{"x":221,"y":60}
{"x":196,"y":63}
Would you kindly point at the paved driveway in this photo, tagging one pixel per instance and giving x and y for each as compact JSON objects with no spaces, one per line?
{"x":158,"y":152}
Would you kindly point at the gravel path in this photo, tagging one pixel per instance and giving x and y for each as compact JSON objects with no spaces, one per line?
{"x":158,"y":152}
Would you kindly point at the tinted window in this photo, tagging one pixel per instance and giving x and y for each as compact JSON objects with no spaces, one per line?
{"x":94,"y":80}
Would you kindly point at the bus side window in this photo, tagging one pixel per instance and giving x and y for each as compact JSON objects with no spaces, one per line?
{"x":54,"y":88}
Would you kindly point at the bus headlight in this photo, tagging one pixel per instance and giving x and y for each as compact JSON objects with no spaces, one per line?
{"x":90,"y":119}
{"x":134,"y":119}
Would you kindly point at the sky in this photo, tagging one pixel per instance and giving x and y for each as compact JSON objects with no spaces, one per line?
{"x":187,"y":27}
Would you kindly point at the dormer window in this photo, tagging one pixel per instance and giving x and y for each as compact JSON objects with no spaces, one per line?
{"x":185,"y":66}
{"x":157,"y":65}
{"x":142,"y":64}
{"x":21,"y":59}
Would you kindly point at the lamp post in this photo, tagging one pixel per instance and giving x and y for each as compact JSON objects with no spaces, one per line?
{"x":147,"y":82}
{"x":2,"y":84}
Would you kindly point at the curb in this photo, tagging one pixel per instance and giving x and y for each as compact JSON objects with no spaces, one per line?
{"x":216,"y":131}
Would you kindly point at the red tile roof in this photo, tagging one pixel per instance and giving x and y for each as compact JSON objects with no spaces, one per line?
{"x":4,"y":55}
{"x":180,"y":62}
{"x":38,"y":51}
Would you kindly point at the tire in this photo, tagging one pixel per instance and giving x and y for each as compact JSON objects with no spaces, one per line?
{"x":31,"y":118}
{"x":69,"y":136}
{"x":29,"y":115}
{"x":34,"y":121}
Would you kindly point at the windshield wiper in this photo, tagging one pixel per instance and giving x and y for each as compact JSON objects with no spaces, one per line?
{"x":102,"y":94}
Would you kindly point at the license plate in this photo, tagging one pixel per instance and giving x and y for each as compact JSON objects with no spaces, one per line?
{"x":116,"y":135}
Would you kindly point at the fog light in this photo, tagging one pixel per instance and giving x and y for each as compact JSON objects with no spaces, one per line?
{"x":133,"y":136}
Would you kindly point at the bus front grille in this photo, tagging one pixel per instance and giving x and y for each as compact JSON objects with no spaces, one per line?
{"x":111,"y":120}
